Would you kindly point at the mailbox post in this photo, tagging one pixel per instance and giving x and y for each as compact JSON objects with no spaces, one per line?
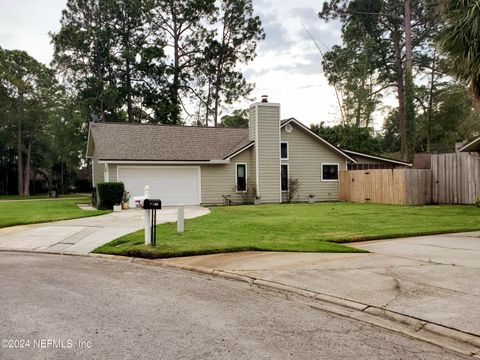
{"x":151,"y":205}
{"x":146,"y":195}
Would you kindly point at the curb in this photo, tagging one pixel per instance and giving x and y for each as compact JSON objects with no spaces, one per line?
{"x":452,"y":339}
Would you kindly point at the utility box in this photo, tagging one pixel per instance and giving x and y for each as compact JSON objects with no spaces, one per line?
{"x":152,"y":204}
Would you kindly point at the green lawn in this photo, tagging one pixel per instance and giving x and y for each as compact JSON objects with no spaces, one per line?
{"x":38,"y":196}
{"x":37,"y":211}
{"x":296,"y":227}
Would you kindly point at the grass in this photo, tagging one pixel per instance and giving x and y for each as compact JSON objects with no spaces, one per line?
{"x":37,"y":196}
{"x":37,"y":211}
{"x":296,"y":227}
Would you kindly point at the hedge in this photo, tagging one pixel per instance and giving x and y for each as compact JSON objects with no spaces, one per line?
{"x":110,"y":193}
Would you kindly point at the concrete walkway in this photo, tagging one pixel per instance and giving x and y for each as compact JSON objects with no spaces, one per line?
{"x":433,"y":278}
{"x":85,"y":234}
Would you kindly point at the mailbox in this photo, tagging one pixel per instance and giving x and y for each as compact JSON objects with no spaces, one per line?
{"x":152,"y":204}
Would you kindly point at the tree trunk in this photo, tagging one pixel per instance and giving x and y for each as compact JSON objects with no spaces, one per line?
{"x":408,"y":37}
{"x":61,"y":179}
{"x":409,"y":85}
{"x":175,"y":88}
{"x":26,"y":191}
{"x":401,"y":95}
{"x":129,"y":92}
{"x":430,"y":101}
{"x":19,"y":156}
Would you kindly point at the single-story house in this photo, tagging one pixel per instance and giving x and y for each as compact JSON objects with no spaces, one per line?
{"x":472,"y":146}
{"x":205,"y":165}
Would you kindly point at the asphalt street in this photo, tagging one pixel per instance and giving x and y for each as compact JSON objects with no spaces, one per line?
{"x":75,"y":307}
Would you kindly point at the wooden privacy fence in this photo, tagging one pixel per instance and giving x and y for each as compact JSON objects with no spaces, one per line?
{"x":455,"y":178}
{"x":392,"y":186}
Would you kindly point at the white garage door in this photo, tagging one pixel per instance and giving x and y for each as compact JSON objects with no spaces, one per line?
{"x":172,"y":185}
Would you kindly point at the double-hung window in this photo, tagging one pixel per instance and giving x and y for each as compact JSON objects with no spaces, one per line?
{"x":284,"y":173}
{"x":284,"y":150}
{"x":241,"y":177}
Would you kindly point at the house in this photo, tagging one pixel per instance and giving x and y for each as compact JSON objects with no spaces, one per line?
{"x":472,"y":146}
{"x":365,"y":162}
{"x":204,"y":165}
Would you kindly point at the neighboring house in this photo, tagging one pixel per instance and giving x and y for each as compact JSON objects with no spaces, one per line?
{"x":203,"y":165}
{"x":472,"y":146}
{"x":366,"y":162}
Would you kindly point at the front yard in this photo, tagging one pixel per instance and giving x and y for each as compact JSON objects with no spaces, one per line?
{"x":37,"y":211}
{"x":296,"y":227}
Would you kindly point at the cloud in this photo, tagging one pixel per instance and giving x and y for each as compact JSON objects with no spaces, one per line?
{"x":276,"y":34}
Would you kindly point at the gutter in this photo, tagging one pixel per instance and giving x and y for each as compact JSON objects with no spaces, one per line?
{"x":166,"y":162}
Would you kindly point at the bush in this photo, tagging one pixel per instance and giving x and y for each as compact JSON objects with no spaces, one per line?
{"x":477,"y":202}
{"x":109,"y":194}
{"x":292,"y":189}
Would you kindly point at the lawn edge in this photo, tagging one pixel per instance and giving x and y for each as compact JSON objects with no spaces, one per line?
{"x":48,"y":221}
{"x":341,"y":242}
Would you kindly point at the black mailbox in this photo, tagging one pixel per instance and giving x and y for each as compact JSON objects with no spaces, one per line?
{"x":152,"y":204}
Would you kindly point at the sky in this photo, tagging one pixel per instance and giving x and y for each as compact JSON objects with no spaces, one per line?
{"x":287,"y":67}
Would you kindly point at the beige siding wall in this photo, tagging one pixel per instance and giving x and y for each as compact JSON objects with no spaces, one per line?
{"x":218,"y":180}
{"x":97,"y":173}
{"x":251,"y":123}
{"x":306,"y":154}
{"x":268,"y":148}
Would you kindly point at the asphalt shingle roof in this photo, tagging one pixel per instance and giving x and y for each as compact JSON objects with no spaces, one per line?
{"x":123,"y":141}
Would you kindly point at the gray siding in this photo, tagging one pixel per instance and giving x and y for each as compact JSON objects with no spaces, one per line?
{"x":268,"y":148}
{"x":306,"y":154}
{"x":218,"y":180}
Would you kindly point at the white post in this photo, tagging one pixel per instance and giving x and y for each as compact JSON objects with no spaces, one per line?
{"x":148,"y":240}
{"x":180,"y":219}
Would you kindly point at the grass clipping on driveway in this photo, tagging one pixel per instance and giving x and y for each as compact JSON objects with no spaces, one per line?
{"x":295,"y":227}
{"x":38,"y":211}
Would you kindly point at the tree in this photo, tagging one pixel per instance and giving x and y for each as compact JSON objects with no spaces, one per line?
{"x":84,"y":56}
{"x":28,"y":89}
{"x":239,"y":118}
{"x":393,"y":28}
{"x":349,"y":137}
{"x":131,"y":37}
{"x":459,"y":40}
{"x":234,"y":43}
{"x":183,"y":26}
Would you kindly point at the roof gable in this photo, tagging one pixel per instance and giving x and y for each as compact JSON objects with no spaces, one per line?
{"x":379,"y":158}
{"x":332,"y":147}
{"x":471,"y":146}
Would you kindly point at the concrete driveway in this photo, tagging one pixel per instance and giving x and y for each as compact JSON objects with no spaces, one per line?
{"x":85,"y":234}
{"x":433,"y":278}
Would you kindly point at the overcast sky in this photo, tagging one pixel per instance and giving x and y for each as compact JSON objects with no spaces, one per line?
{"x":287,"y":68}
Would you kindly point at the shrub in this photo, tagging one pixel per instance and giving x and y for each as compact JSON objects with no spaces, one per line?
{"x":250,"y":194}
{"x":109,"y":194}
{"x":292,"y":189}
{"x":477,"y":202}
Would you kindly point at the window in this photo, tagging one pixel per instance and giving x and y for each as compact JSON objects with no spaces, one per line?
{"x":241,"y":177}
{"x":330,"y":172}
{"x":284,"y":150}
{"x":284,"y":171}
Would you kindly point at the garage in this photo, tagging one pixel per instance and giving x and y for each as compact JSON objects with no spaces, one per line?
{"x":174,"y":185}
